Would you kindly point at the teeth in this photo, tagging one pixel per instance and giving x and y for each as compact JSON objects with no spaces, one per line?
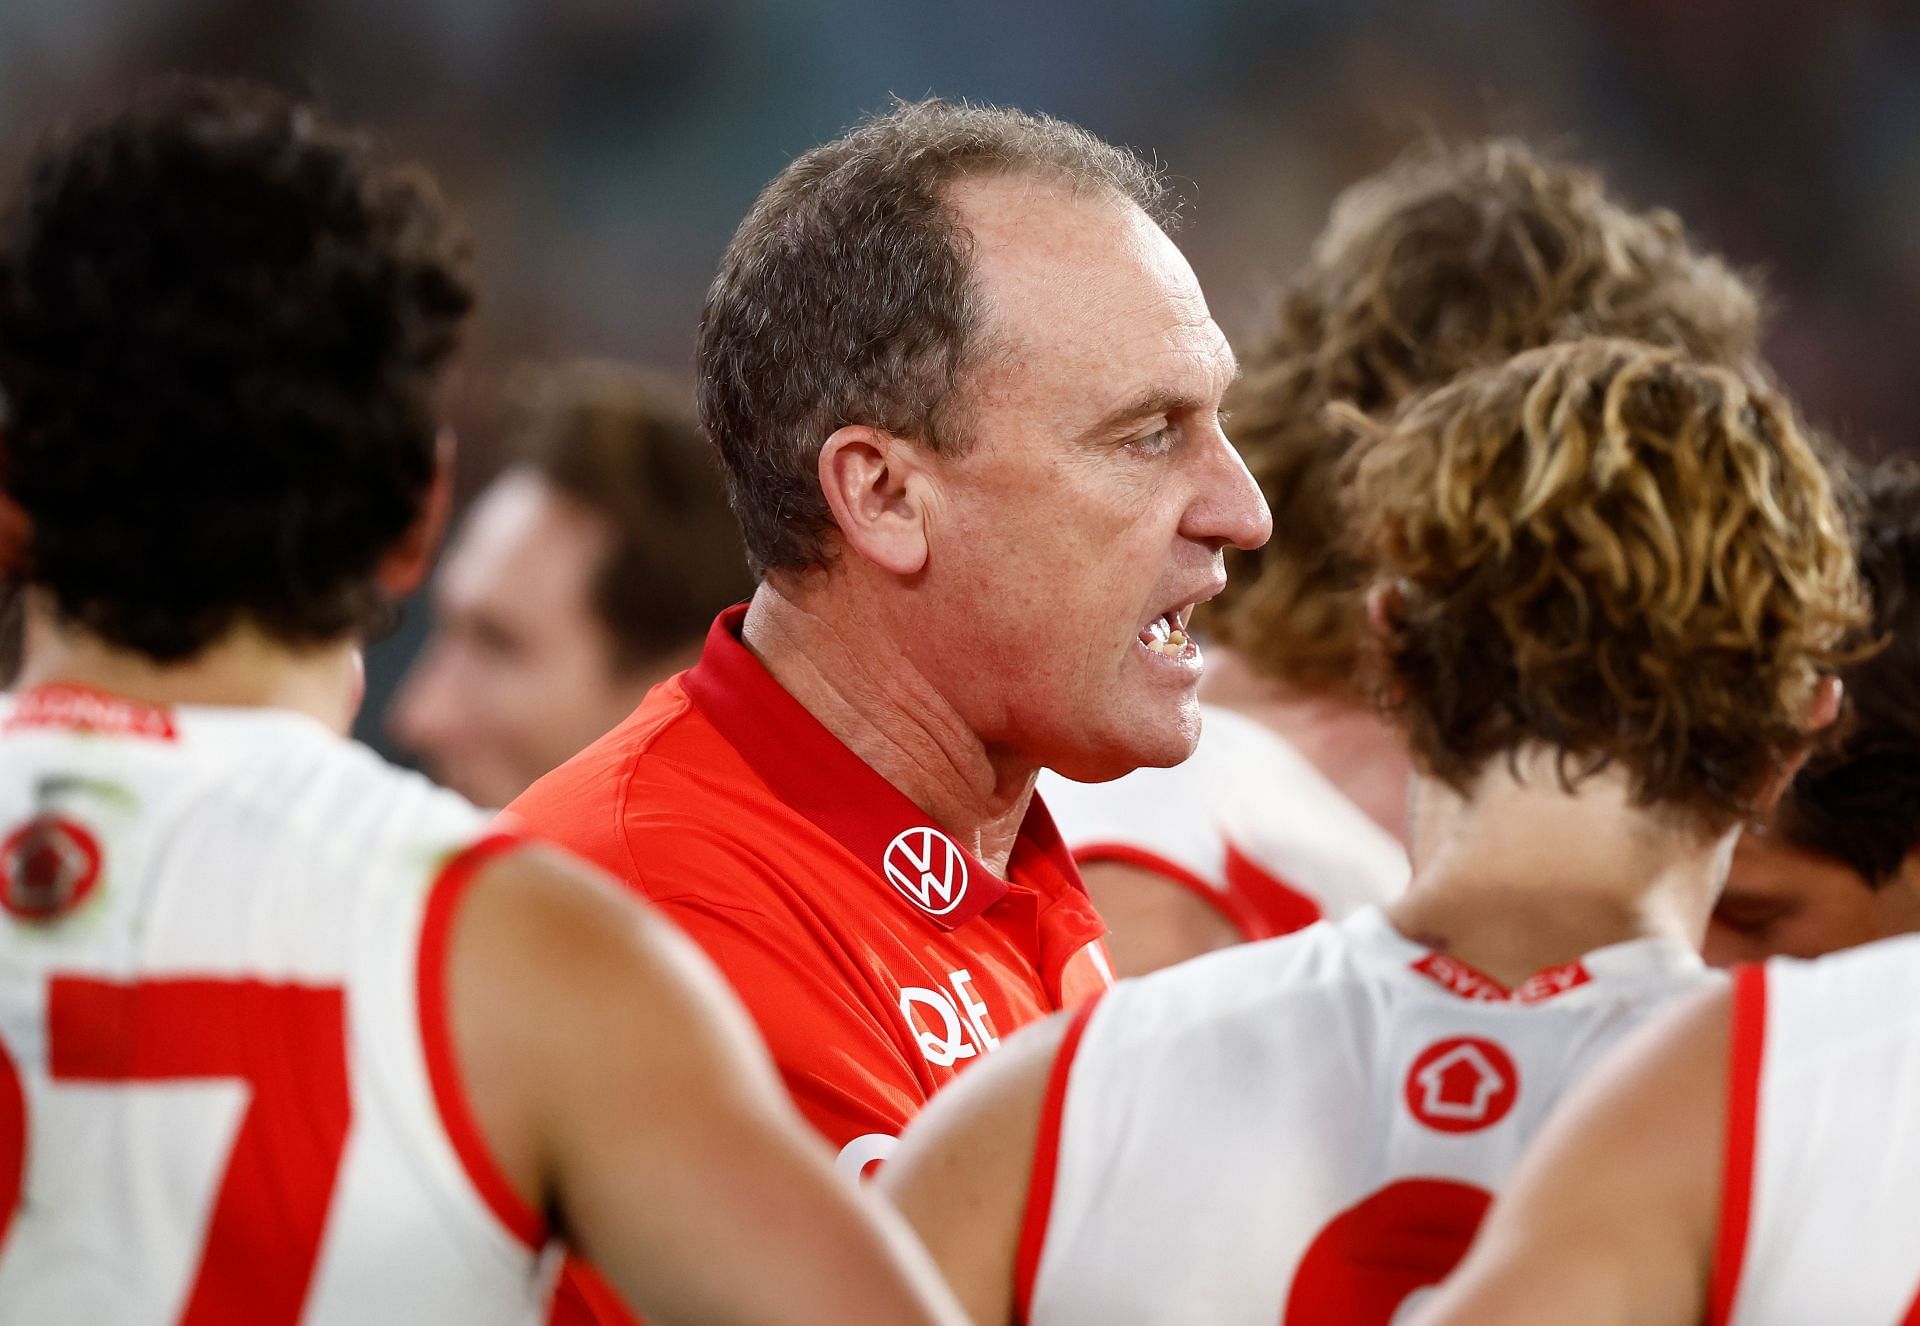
{"x":1166,"y":637}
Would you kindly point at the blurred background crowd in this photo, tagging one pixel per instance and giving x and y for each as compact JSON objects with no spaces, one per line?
{"x":602,"y":151}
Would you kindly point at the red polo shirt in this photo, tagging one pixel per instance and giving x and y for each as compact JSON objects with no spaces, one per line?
{"x":878,"y":956}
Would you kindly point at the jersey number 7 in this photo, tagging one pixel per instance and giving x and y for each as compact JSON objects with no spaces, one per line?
{"x":288,"y":1044}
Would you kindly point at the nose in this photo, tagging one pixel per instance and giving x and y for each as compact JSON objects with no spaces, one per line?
{"x":1228,"y":507}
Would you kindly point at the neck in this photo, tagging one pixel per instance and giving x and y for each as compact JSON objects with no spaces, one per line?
{"x":1495,"y":884}
{"x":851,"y":677}
{"x":1354,"y":747}
{"x":243,"y":669}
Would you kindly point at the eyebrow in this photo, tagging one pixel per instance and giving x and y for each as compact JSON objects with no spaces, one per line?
{"x":1149,"y":404}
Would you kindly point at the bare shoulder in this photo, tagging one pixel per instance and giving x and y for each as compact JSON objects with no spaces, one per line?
{"x":1156,"y":921}
{"x":621,"y":1088}
{"x":535,"y":894}
{"x":539,"y":924}
{"x":569,"y":998}
{"x":964,"y":1173}
{"x":990,"y":1114}
{"x":1669,"y":1074}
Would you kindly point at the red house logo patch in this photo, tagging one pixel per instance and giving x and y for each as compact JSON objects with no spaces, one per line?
{"x":1462,"y":1085}
{"x":48,"y":866}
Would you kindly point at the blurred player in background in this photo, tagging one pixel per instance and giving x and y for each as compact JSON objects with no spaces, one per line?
{"x":966,"y":390}
{"x":1294,"y":806}
{"x":585,"y":574}
{"x":1839,"y":864}
{"x":1608,"y":584}
{"x":277,"y":1020}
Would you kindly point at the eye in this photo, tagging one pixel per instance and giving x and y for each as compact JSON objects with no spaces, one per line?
{"x":494,"y":639}
{"x":1752,"y":915}
{"x":1156,"y":443}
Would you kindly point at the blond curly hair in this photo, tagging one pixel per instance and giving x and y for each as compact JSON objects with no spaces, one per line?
{"x":1614,"y":551}
{"x":1452,"y":259}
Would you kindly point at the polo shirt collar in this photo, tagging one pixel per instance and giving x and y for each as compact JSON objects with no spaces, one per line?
{"x":810,"y":769}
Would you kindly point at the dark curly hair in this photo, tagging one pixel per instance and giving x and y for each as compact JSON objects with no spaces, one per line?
{"x":1613,"y":552}
{"x":221,"y":329}
{"x":1859,"y":802}
{"x":1454,"y":258}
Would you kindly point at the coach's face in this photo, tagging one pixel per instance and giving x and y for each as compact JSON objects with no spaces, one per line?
{"x":1088,"y":517}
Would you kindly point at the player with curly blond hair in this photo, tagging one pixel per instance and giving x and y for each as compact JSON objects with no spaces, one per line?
{"x":1744,"y":1162}
{"x":1294,"y":806}
{"x":1609,"y":585}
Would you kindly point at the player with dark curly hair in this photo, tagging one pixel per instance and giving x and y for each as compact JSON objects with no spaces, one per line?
{"x":1608,"y":589}
{"x":1294,"y":806}
{"x":277,"y":1020}
{"x":220,"y":333}
{"x":1839,"y":863}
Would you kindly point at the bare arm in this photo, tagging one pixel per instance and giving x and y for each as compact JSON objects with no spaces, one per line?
{"x":964,"y":1166}
{"x":1611,"y":1219}
{"x":1154,"y":922}
{"x":621,"y":1088}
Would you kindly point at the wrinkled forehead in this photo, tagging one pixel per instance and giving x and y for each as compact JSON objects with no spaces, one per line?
{"x":1081,"y":291}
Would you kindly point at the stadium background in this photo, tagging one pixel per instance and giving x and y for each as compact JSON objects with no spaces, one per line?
{"x":602,"y":150}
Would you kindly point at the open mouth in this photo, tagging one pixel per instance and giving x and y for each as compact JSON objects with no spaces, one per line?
{"x":1166,"y":635}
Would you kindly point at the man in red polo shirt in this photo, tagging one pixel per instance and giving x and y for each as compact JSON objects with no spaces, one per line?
{"x":966,"y":392}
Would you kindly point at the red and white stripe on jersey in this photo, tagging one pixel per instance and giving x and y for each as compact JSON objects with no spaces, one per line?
{"x":1306,"y":1130}
{"x":226,"y":1090}
{"x":436,"y":1040}
{"x":1046,"y":1160}
{"x":1247,"y":823}
{"x":1821,"y":1182}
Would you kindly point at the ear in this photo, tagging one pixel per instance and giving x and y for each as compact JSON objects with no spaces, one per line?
{"x":356,"y":684}
{"x":1386,"y":617}
{"x":403,"y":569}
{"x":1821,"y":713}
{"x":1824,"y":711}
{"x":878,"y":488}
{"x":1386,"y":609}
